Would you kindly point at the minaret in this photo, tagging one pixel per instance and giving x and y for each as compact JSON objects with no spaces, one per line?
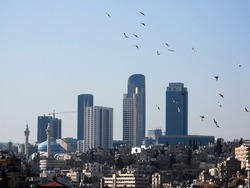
{"x":48,"y":132}
{"x":26,"y":134}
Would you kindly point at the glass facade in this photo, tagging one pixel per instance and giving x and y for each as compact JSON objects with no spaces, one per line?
{"x":84,"y":100}
{"x":42,"y":124}
{"x":176,"y":109}
{"x":134,"y":111}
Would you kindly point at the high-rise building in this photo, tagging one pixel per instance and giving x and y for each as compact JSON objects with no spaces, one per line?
{"x":56,"y":128}
{"x":176,"y":109}
{"x":98,"y":127}
{"x":134,"y":123}
{"x":84,"y":100}
{"x":42,"y":124}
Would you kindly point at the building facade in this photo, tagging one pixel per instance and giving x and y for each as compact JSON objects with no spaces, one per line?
{"x":98,"y":127}
{"x":134,"y":111}
{"x":56,"y":128}
{"x":242,"y":153}
{"x":42,"y":124}
{"x":125,"y":180}
{"x":176,"y":109}
{"x":84,"y":100}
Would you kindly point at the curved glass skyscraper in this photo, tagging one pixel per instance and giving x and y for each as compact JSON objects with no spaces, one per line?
{"x":134,"y":119}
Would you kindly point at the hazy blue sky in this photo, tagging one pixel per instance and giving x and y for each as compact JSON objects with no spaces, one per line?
{"x":52,"y":51}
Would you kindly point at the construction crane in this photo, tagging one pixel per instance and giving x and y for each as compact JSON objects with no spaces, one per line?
{"x":54,"y":113}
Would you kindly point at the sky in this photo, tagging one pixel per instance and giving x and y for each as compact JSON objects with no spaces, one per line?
{"x":52,"y":51}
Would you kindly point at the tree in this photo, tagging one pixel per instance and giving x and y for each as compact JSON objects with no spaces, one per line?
{"x":4,"y":182}
{"x":241,"y":141}
{"x":119,"y":163}
{"x":189,"y":156}
{"x":218,"y":147}
{"x":172,"y":160}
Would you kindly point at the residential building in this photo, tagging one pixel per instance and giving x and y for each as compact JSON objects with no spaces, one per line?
{"x":98,"y":127}
{"x":125,"y":180}
{"x":134,"y":111}
{"x":11,"y":174}
{"x":176,"y":109}
{"x":242,"y":153}
{"x":84,"y":100}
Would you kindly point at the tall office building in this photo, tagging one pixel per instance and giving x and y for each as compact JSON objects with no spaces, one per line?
{"x":98,"y":127}
{"x":176,"y":109}
{"x":84,"y":100}
{"x":42,"y":124}
{"x":56,"y":128}
{"x":134,"y":123}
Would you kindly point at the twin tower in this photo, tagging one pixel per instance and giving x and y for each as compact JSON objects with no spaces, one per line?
{"x":134,"y":111}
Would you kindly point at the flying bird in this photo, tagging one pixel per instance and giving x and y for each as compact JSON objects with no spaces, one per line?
{"x":216,"y":78}
{"x":246,"y":110}
{"x":158,"y":53}
{"x":221,"y":95}
{"x":166,"y":44}
{"x":178,"y":109}
{"x":143,"y":24}
{"x":194,"y":50}
{"x":142,"y":13}
{"x":219,"y":105}
{"x":136,"y":35}
{"x":202,"y":117}
{"x":137,"y":46}
{"x":216,"y":123}
{"x":108,"y":14}
{"x":239,"y":65}
{"x":125,"y":35}
{"x":157,"y":107}
{"x":174,"y":101}
{"x":171,"y":50}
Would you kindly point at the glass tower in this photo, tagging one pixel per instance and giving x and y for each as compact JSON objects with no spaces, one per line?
{"x":84,"y":100}
{"x":42,"y":124}
{"x":176,"y":109}
{"x":134,"y":111}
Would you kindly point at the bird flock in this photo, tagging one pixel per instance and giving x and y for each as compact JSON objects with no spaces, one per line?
{"x":172,"y":50}
{"x":137,"y":37}
{"x":218,"y":103}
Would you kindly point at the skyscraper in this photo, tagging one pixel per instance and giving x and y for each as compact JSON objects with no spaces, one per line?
{"x":98,"y":127}
{"x":42,"y":124}
{"x":176,"y":109}
{"x":56,"y":128}
{"x":134,"y":123}
{"x":84,"y":100}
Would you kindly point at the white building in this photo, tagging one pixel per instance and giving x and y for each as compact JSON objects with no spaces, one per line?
{"x":125,"y":180}
{"x":98,"y":127}
{"x":242,"y":153}
{"x":133,"y":127}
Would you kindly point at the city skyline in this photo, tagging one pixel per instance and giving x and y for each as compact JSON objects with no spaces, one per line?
{"x":51,"y":52}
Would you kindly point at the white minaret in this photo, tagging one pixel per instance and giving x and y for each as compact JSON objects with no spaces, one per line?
{"x":26,"y":134}
{"x":48,"y":132}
